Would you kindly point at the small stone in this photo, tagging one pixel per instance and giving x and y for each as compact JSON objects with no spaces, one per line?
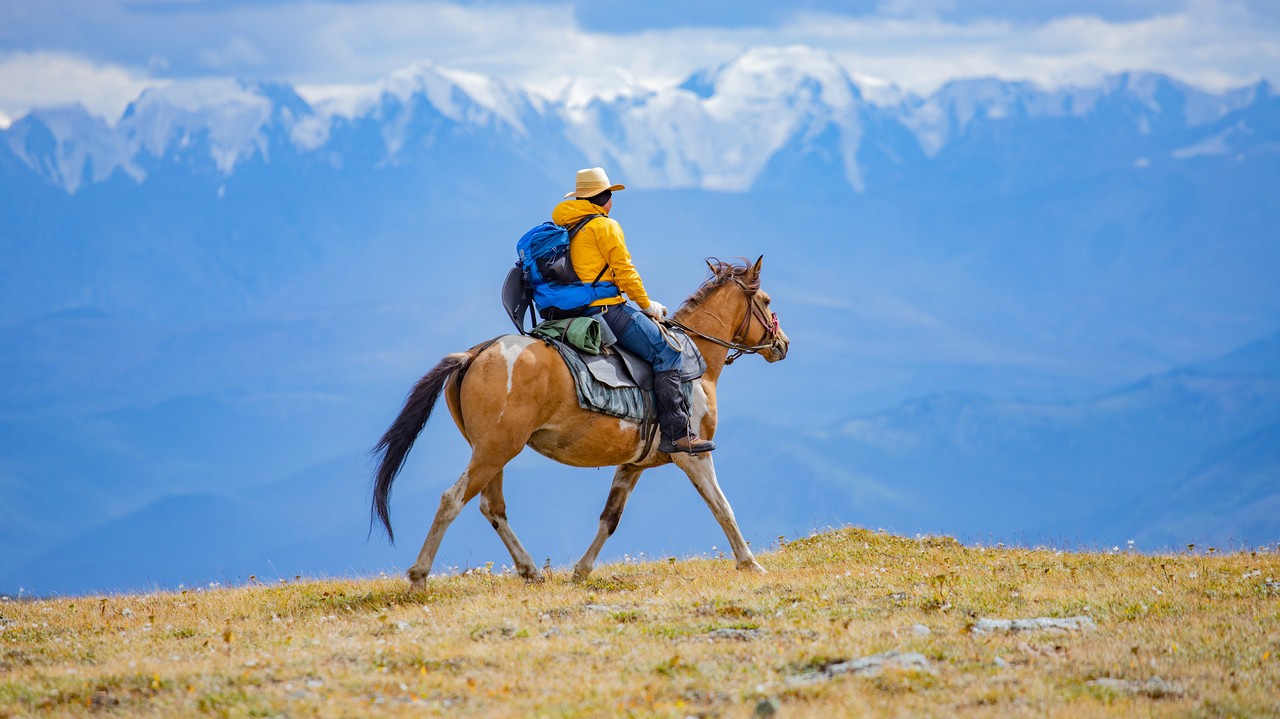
{"x":730,"y":633}
{"x":1057,"y":624}
{"x":921,"y":630}
{"x":1001,"y":662}
{"x":1155,"y":687}
{"x":767,"y":707}
{"x":499,"y":631}
{"x":871,"y":666}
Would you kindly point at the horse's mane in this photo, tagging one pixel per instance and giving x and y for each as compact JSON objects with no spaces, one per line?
{"x":722,"y":273}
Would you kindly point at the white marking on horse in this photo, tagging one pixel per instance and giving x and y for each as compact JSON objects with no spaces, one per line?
{"x":698,"y":406}
{"x":641,"y":445}
{"x":511,"y":346}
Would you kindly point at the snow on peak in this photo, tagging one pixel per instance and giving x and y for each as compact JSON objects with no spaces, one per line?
{"x":794,"y":74}
{"x":463,"y":97}
{"x":575,"y":92}
{"x":719,"y":129}
{"x":69,"y":146}
{"x":83,"y":148}
{"x":879,"y":91}
{"x":946,"y":113}
{"x":232,"y":114}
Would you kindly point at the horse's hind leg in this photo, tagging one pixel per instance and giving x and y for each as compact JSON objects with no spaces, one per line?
{"x":624,"y":480}
{"x":702,"y":472}
{"x":494,"y":508}
{"x":484,"y":466}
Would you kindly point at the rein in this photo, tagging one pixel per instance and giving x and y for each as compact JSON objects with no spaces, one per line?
{"x":770,"y":325}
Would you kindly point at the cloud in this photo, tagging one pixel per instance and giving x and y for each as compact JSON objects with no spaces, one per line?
{"x":1212,"y":45}
{"x":42,"y":79}
{"x":917,"y":44}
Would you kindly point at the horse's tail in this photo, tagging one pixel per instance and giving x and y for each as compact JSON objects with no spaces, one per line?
{"x":400,"y":436}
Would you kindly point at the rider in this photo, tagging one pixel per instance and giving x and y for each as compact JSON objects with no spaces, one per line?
{"x":598,"y":246}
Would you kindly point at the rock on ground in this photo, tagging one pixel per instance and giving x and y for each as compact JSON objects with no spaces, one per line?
{"x":741,"y":635}
{"x":871,"y":666}
{"x":1155,"y":687}
{"x":1058,"y":624}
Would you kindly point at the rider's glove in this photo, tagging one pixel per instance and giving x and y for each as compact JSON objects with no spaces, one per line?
{"x":655,"y":310}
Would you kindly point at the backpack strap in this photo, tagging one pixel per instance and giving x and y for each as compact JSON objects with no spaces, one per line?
{"x":581,"y":224}
{"x":574,"y":231}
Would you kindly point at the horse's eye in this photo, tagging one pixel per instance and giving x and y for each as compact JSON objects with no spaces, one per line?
{"x":768,"y":301}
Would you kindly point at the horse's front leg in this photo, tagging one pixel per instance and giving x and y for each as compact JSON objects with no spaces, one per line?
{"x":702,"y":472}
{"x":624,"y":480}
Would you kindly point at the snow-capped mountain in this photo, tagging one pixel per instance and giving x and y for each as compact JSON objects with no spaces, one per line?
{"x":718,"y":130}
{"x":224,"y":123}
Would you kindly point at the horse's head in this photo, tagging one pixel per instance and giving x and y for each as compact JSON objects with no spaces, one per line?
{"x":734,"y":297}
{"x":760,"y":326}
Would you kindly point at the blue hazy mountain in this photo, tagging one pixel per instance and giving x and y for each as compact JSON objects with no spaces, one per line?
{"x":1186,"y":456}
{"x":1016,"y":312}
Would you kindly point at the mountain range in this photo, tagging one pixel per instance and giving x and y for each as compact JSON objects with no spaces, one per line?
{"x":1018,"y":313}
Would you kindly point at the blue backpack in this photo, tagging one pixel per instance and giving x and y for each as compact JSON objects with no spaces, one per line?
{"x":548,"y":273}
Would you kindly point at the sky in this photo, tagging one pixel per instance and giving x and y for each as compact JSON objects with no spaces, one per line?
{"x":103,"y":53}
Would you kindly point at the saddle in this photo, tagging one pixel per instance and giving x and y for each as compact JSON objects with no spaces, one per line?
{"x":605,"y":383}
{"x":618,"y":367}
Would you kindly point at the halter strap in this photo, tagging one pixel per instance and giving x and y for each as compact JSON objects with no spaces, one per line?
{"x":739,"y":349}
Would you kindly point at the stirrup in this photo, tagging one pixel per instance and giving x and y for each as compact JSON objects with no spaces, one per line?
{"x":689,"y":444}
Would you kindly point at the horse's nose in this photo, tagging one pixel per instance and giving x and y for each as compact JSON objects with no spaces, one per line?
{"x":781,"y":345}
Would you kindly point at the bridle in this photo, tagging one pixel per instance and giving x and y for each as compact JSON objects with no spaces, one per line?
{"x":755,"y":310}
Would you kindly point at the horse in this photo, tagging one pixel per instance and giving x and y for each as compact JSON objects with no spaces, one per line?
{"x":516,"y":391}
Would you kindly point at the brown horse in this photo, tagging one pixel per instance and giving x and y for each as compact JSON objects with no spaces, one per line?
{"x":516,"y":391}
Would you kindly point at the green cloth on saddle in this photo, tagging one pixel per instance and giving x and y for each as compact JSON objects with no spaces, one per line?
{"x":581,"y":332}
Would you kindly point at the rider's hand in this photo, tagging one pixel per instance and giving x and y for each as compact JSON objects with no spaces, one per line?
{"x":655,"y":310}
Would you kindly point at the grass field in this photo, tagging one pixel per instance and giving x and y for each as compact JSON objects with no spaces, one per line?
{"x":1193,"y":634}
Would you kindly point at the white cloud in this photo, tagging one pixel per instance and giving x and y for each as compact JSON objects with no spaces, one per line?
{"x":5,"y":121}
{"x":31,"y":80}
{"x":1210,"y":43}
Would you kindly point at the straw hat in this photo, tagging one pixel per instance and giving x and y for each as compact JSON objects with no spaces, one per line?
{"x":592,"y":182}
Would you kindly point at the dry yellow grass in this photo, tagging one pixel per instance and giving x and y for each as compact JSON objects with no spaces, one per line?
{"x":640,"y":640}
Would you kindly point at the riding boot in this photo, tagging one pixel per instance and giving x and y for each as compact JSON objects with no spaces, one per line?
{"x":673,"y":416}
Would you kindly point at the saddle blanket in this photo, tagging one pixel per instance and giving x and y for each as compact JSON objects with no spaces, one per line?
{"x":624,"y":402}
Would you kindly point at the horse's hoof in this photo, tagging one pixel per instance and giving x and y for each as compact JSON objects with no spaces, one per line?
{"x":533,"y":576}
{"x":418,"y":579}
{"x":580,"y":574}
{"x":753,"y":566}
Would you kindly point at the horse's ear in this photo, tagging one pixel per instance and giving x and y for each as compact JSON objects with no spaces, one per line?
{"x":711,"y":266}
{"x":759,"y":265}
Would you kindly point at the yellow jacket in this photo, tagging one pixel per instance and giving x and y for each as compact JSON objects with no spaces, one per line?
{"x":599,"y":243}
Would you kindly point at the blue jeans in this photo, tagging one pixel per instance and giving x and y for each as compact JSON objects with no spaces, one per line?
{"x":640,"y":334}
